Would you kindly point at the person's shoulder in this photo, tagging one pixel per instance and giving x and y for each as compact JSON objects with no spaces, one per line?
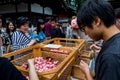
{"x":16,"y":32}
{"x":5,"y":34}
{"x":110,"y":58}
{"x":68,"y":27}
{"x":117,"y":36}
{"x":47,"y":23}
{"x":2,"y":60}
{"x":40,"y":33}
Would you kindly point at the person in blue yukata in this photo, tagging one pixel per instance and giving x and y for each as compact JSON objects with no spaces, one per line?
{"x":39,"y":34}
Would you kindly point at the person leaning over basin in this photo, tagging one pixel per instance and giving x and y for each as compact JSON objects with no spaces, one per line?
{"x":9,"y":72}
{"x":96,"y":18}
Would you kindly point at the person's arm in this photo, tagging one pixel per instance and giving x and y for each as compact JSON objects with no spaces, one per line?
{"x":7,"y":42}
{"x":32,"y":42}
{"x":8,"y":49}
{"x":85,"y":69}
{"x":67,"y":32}
{"x":71,"y":34}
{"x":32,"y":73}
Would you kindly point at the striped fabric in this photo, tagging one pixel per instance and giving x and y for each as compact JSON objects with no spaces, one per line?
{"x":19,"y":40}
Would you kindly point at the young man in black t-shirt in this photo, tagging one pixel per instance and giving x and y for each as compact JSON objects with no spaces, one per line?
{"x":56,"y":31}
{"x":96,"y":18}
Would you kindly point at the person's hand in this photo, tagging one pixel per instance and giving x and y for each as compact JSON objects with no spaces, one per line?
{"x":95,"y":47}
{"x":32,"y":42}
{"x":84,"y":67}
{"x":78,"y":37}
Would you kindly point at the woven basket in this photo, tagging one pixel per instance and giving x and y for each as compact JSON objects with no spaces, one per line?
{"x":23,"y":59}
{"x":54,"y":56}
{"x":65,"y":64}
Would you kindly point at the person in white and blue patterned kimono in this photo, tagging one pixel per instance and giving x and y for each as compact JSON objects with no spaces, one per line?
{"x":21,"y":38}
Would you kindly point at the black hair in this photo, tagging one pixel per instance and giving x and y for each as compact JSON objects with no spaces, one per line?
{"x":47,"y":19}
{"x":8,"y":19}
{"x":40,"y":22}
{"x":21,"y":21}
{"x":7,"y":27}
{"x":95,"y":8}
{"x":69,"y":21}
{"x":117,"y":13}
{"x":53,"y":19}
{"x":3,"y":21}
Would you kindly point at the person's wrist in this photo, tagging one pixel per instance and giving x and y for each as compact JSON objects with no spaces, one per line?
{"x":28,"y":45}
{"x":87,"y":72}
{"x":30,"y":63}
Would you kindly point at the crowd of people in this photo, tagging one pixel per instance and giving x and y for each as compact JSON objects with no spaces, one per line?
{"x":18,"y":35}
{"x":96,"y":18}
{"x":15,"y":36}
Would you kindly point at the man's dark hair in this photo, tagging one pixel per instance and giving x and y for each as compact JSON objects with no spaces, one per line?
{"x":117,"y":13}
{"x":47,"y":19}
{"x":21,"y":21}
{"x":54,"y":19}
{"x":95,"y":8}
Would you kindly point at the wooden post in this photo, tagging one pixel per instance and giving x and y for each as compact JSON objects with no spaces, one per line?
{"x":37,"y":52}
